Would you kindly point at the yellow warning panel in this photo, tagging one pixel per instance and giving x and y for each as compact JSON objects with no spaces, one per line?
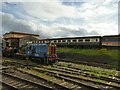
{"x":51,"y":49}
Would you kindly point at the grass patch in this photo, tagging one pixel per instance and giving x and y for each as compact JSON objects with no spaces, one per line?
{"x":113,"y":54}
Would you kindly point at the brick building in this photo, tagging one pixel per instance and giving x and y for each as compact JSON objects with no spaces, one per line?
{"x":14,"y":39}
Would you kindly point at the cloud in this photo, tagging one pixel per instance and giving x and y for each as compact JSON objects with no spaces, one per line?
{"x":86,"y":12}
{"x":55,"y":19}
{"x":48,"y":10}
{"x":75,"y":32}
{"x":56,"y":30}
{"x":62,"y":0}
{"x":9,"y":23}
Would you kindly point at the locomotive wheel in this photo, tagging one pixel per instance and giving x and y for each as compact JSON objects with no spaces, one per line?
{"x":42,"y":60}
{"x":56,"y":61}
{"x":46,"y":61}
{"x":50,"y":62}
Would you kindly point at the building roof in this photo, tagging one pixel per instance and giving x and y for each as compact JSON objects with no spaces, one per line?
{"x":21,"y":33}
{"x":29,"y":38}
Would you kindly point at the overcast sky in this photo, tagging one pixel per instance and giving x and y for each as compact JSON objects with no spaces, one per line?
{"x":56,"y":18}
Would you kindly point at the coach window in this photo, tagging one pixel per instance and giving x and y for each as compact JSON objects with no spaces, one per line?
{"x":59,"y":40}
{"x":106,"y":39}
{"x":96,"y":40}
{"x":87,"y":40}
{"x":80,"y":40}
{"x":68,"y":40}
{"x":63,"y":40}
{"x":54,"y":41}
{"x":118,"y":39}
{"x":74,"y":40}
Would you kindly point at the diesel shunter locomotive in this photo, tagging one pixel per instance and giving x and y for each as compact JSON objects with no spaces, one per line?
{"x":44,"y":52}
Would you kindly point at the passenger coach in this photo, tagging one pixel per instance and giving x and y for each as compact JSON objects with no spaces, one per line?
{"x":78,"y":42}
{"x":112,"y":41}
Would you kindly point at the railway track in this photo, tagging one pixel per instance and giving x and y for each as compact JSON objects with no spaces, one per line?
{"x":77,"y":77}
{"x":44,"y":81}
{"x":71,"y":75}
{"x":16,"y":82}
{"x":85,"y":83}
{"x":79,"y":68}
{"x":5,"y":86}
{"x":84,"y":73}
{"x":14,"y":62}
{"x":60,"y":83}
{"x":88,"y":63}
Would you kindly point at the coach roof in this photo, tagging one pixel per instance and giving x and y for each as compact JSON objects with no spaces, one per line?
{"x":72,"y":38}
